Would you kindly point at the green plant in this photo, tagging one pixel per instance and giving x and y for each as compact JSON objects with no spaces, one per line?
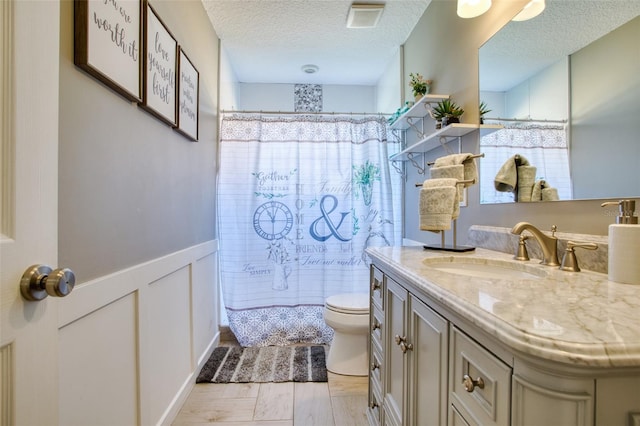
{"x":446,"y":108}
{"x":419,"y":85}
{"x":483,"y":108}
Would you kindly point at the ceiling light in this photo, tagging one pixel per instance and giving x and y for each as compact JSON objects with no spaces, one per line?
{"x":531,"y":10}
{"x":364,"y":15}
{"x":310,"y":68}
{"x":472,"y":8}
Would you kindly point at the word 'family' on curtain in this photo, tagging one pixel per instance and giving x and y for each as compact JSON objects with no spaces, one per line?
{"x":300,"y":198}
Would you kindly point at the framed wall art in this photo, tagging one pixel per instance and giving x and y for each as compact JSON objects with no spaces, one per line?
{"x":107,"y":43}
{"x":159,"y":71}
{"x":188,"y":97}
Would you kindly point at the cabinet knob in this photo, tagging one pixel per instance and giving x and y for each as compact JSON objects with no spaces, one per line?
{"x":470,"y":384}
{"x":375,"y":285}
{"x":375,"y":325}
{"x":374,"y":366}
{"x":402,"y":342}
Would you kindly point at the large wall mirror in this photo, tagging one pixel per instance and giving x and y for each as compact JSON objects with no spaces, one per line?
{"x":566,"y":87}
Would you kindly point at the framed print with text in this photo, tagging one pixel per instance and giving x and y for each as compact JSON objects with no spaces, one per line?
{"x":188,"y":97}
{"x":159,"y":71}
{"x":107,"y":43}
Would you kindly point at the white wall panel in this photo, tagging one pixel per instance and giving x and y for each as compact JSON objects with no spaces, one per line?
{"x":168,"y":337}
{"x":132,"y":342}
{"x":98,"y":367}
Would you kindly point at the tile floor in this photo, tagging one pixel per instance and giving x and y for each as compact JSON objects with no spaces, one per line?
{"x":341,"y":401}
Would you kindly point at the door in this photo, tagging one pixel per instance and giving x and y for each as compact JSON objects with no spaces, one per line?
{"x":28,"y":208}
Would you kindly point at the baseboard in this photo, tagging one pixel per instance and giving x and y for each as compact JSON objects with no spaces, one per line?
{"x":178,"y":401}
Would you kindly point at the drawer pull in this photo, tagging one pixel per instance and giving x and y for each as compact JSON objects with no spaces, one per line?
{"x":374,"y":366}
{"x":375,"y":325}
{"x":373,"y":405}
{"x":404,"y":347}
{"x":470,"y":384}
{"x":375,"y":285}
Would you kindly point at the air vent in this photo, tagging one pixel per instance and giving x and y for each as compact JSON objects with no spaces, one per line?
{"x":364,"y":15}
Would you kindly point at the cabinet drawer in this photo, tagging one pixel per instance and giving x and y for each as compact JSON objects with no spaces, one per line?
{"x":377,"y":328}
{"x":479,"y":383}
{"x":376,"y":287}
{"x":375,"y":368}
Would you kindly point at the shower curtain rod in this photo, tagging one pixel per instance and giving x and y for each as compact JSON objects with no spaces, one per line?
{"x":303,"y":113}
{"x":525,"y":120}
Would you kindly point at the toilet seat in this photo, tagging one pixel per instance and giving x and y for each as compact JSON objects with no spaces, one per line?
{"x":349,"y":303}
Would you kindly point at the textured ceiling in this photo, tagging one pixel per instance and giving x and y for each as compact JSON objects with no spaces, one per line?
{"x":268,"y":41}
{"x":522,"y":49}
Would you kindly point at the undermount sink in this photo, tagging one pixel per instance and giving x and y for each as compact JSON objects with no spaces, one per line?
{"x":485,"y":268}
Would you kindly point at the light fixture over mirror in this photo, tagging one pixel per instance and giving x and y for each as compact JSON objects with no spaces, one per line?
{"x":472,"y":8}
{"x":531,"y":10}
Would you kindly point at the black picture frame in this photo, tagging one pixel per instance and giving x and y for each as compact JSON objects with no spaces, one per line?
{"x":188,"y":105}
{"x":107,"y":43}
{"x":159,"y":70}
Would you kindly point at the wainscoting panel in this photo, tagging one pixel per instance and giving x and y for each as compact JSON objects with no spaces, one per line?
{"x":168,"y":339}
{"x":98,"y":363}
{"x":132,"y":342}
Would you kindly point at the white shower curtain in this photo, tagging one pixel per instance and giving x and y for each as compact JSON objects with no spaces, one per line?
{"x":299,"y":199}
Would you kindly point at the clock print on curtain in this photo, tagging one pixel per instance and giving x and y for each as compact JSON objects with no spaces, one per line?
{"x":299,"y":199}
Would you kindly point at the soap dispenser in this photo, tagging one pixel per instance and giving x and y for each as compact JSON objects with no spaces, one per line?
{"x":624,"y":244}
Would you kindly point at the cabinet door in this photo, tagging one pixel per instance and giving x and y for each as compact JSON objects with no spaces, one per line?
{"x":546,"y":399}
{"x":395,"y":303}
{"x":427,"y":366}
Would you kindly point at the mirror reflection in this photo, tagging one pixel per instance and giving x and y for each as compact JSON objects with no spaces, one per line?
{"x":566,"y":87}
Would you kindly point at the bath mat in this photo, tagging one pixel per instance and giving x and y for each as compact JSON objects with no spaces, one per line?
{"x":265,"y":364}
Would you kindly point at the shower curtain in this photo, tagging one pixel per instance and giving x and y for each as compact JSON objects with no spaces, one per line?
{"x":300,"y":197}
{"x":545,"y":146}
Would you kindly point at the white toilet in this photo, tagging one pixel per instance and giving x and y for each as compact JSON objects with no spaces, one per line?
{"x":348,"y":315}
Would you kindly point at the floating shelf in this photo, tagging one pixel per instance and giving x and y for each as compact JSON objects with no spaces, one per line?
{"x":419,"y":110}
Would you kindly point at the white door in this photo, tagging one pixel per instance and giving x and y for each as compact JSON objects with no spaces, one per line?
{"x":28,"y":208}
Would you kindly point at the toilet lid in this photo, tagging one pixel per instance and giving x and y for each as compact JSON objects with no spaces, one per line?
{"x":349,"y":303}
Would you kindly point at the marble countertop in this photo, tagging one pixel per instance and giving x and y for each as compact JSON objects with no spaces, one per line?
{"x":577,"y":318}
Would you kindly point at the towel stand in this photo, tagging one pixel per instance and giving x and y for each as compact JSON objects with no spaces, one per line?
{"x":454,"y":247}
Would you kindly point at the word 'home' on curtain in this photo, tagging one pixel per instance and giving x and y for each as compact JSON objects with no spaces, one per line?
{"x":300,"y":197}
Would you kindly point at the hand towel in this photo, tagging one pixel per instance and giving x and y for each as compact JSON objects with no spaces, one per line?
{"x":506,"y":179}
{"x":466,"y":159}
{"x":439,"y":204}
{"x":526,"y":180}
{"x":550,"y":194}
{"x":536,"y":194}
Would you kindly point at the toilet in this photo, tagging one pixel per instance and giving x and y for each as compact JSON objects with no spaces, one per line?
{"x":348,"y":315}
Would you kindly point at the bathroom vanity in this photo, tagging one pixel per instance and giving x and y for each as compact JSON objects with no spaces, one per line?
{"x":478,"y":338}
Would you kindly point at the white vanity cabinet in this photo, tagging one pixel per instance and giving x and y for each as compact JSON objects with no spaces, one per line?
{"x":432,"y":365}
{"x":413,"y":360}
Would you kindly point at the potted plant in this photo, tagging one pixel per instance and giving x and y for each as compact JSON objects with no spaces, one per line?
{"x":419,"y":85}
{"x":446,"y":112}
{"x":483,"y":108}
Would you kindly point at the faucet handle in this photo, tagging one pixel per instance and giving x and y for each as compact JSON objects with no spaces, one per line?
{"x":569,"y":260}
{"x":554,"y":228}
{"x":522,"y":253}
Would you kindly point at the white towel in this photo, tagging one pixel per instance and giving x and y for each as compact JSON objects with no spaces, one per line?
{"x":439,"y":204}
{"x":543,"y":192}
{"x":550,"y":194}
{"x":506,"y":179}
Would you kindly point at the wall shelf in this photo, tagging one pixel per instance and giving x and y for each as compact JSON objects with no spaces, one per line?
{"x":418,"y":111}
{"x":434,"y":140}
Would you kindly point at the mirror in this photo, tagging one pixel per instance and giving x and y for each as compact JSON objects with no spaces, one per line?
{"x":570,"y":75}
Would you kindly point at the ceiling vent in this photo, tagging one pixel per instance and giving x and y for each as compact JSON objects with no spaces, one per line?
{"x":364,"y":15}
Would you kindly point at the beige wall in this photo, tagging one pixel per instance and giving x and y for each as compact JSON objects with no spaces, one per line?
{"x":131,"y":188}
{"x":444,"y":47}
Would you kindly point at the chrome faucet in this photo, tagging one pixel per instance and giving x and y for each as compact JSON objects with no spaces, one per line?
{"x":548,"y":244}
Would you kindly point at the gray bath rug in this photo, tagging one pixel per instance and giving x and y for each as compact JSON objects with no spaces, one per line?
{"x":265,"y":364}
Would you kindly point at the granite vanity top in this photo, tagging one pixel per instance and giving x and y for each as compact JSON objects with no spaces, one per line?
{"x":577,"y":318}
